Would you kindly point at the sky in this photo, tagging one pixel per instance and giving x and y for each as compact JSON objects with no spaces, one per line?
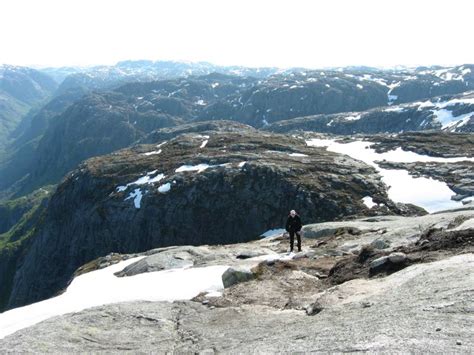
{"x":282,"y":33}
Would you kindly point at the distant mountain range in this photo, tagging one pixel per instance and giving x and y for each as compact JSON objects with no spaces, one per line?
{"x":102,"y":109}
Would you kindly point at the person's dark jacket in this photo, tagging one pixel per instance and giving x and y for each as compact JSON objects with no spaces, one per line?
{"x":293,"y":224}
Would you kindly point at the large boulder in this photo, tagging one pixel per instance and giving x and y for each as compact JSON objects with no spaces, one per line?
{"x":234,"y":276}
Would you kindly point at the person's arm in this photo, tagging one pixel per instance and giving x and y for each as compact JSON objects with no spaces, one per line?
{"x":287,"y":226}
{"x":300,"y":225}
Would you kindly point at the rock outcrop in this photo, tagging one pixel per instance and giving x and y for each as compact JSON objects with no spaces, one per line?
{"x":435,"y":144}
{"x":216,"y":188}
{"x":414,"y":295}
{"x":446,"y":113}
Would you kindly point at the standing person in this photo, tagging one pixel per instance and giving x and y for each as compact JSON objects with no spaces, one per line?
{"x":293,"y":226}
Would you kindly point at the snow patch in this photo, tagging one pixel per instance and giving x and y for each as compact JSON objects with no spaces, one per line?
{"x":395,"y":109}
{"x":137,"y":197}
{"x":273,"y":233}
{"x":154,"y":152}
{"x":102,"y":287}
{"x":367,"y":200}
{"x":353,"y":118}
{"x":199,"y":168}
{"x":297,"y":155}
{"x":146,"y":179}
{"x":164,"y":188}
{"x":433,"y":195}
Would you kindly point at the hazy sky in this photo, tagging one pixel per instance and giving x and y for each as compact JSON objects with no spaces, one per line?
{"x":309,"y":33}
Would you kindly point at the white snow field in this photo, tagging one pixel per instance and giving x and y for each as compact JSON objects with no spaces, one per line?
{"x":103,"y":287}
{"x":432,"y":195}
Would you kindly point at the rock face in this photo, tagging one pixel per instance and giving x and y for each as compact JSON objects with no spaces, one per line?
{"x":234,"y":276}
{"x":98,"y":124}
{"x":12,"y":211}
{"x":21,"y":156}
{"x":318,"y":303}
{"x":446,"y":113}
{"x":435,"y":144}
{"x":215,"y":188}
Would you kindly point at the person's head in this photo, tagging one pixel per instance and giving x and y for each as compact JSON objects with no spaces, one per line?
{"x":292,"y":213}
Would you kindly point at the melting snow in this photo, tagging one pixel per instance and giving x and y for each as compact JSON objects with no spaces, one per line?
{"x":273,"y":233}
{"x":102,"y":287}
{"x":360,"y":86}
{"x":147,"y":179}
{"x":353,"y":118}
{"x":164,"y":188}
{"x":444,"y":115}
{"x":369,"y":202}
{"x":153,"y":152}
{"x":199,"y":168}
{"x":137,"y":197}
{"x":395,"y":109}
{"x":391,"y":98}
{"x":241,"y":164}
{"x":204,"y":143}
{"x":433,"y":195}
{"x":297,"y":155}
{"x":448,"y":120}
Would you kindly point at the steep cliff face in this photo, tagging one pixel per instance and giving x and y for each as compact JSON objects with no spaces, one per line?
{"x":15,"y":242}
{"x":194,"y":189}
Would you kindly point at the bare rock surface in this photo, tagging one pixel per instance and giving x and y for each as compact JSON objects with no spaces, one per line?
{"x":414,"y":310}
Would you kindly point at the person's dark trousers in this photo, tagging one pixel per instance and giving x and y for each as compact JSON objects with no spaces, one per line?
{"x":292,"y":240}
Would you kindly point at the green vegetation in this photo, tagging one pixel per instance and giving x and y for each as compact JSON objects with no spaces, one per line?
{"x":13,"y":211}
{"x":28,"y":211}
